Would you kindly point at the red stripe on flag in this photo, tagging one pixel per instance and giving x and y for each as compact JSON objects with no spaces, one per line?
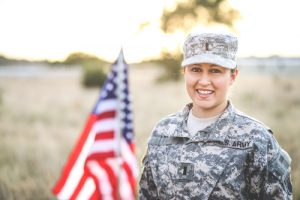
{"x":79,"y":186}
{"x":107,"y":114}
{"x":97,"y":192}
{"x":74,"y":154}
{"x":112,"y":178}
{"x":96,"y":196}
{"x":104,"y":135}
{"x":130,"y":175}
{"x":101,"y":155}
{"x":132,"y":147}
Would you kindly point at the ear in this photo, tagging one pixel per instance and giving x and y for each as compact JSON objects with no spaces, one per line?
{"x":234,"y":75}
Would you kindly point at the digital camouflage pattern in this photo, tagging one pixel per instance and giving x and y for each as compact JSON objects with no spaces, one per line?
{"x":216,"y":48}
{"x":237,"y":157}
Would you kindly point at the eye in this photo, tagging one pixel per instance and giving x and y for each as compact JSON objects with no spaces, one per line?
{"x":214,"y":70}
{"x":195,"y":69}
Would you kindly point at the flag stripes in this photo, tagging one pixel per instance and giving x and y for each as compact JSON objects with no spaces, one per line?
{"x":80,"y":185}
{"x":73,"y":170}
{"x":104,"y":135}
{"x":103,"y":165}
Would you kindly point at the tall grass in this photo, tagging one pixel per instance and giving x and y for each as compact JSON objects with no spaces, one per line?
{"x":41,"y":117}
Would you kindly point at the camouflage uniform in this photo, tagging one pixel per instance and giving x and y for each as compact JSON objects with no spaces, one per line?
{"x":236,"y":157}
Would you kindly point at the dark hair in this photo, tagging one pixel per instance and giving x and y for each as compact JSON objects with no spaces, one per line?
{"x":233,"y":70}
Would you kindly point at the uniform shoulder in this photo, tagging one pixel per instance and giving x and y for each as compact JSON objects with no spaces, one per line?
{"x":167,"y":124}
{"x":246,"y":121}
{"x":171,"y":118}
{"x":262,"y":136}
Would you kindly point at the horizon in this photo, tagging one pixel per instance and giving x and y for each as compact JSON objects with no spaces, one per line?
{"x":145,"y":60}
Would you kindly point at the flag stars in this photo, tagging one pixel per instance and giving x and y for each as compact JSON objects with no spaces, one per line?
{"x":103,"y":94}
{"x":122,"y":76}
{"x":129,"y":125}
{"x":110,"y":76}
{"x":122,"y":105}
{"x":121,"y":87}
{"x":130,"y":116}
{"x":129,"y":135}
{"x":110,"y":86}
{"x":122,"y":115}
{"x":122,"y":97}
{"x":114,"y":69}
{"x":126,"y":108}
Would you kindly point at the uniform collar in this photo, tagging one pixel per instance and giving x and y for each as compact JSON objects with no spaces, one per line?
{"x":223,"y":122}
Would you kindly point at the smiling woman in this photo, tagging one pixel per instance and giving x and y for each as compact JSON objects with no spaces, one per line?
{"x":210,"y":150}
{"x":208,"y":85}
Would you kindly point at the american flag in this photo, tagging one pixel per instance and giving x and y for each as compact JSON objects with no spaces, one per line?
{"x":103,"y":164}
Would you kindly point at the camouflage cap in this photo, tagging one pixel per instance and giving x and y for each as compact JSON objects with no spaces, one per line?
{"x":215,"y":48}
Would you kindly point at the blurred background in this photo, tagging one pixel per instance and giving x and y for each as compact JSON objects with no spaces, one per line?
{"x":54,"y":56}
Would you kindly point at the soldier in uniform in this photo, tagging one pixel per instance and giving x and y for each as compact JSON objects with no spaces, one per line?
{"x":211,"y":150}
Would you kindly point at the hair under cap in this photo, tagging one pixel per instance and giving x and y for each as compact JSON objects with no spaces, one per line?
{"x":214,"y":48}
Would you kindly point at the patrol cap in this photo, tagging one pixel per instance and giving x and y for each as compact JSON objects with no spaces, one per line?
{"x":214,"y":48}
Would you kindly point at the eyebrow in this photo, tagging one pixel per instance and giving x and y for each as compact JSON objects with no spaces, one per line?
{"x":210,"y":65}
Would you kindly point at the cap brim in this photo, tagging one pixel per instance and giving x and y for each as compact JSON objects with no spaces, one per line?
{"x":209,"y":58}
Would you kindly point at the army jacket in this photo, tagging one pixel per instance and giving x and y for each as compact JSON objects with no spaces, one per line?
{"x":236,"y":157}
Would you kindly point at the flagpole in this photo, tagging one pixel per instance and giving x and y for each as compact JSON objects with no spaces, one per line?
{"x":119,"y":120}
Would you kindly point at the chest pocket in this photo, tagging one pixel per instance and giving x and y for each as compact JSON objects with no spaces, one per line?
{"x":191,"y":170}
{"x":196,"y":168}
{"x":158,"y":147}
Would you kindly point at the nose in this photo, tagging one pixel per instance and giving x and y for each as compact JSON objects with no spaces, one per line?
{"x":204,"y":79}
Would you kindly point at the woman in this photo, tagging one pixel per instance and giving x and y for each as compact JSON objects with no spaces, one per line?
{"x":210,"y":150}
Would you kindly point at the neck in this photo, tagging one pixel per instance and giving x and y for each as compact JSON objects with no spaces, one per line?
{"x":209,"y":112}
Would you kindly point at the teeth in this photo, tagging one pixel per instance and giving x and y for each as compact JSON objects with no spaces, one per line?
{"x":204,"y":91}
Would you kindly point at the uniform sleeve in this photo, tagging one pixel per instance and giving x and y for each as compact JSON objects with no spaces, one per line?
{"x":148,"y":190}
{"x":278,"y":181}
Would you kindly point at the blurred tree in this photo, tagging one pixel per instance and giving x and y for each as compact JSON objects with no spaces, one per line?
{"x":4,"y":60}
{"x":171,"y":66}
{"x":79,"y":58}
{"x":11,"y":61}
{"x":93,"y":74}
{"x":185,"y":15}
{"x":94,"y":69}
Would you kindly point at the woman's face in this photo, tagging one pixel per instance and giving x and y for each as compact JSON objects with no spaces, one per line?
{"x":208,"y":85}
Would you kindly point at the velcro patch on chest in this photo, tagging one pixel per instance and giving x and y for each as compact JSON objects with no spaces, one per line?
{"x":281,"y":165}
{"x":232,"y":143}
{"x":240,"y":144}
{"x":163,"y":140}
{"x":185,"y":171}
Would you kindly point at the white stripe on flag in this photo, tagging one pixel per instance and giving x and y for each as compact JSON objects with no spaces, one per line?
{"x":105,"y":125}
{"x":77,"y":170}
{"x":125,"y":190}
{"x":129,"y":157}
{"x":87,"y":190}
{"x":104,"y":183}
{"x":106,"y":105}
{"x":101,"y":146}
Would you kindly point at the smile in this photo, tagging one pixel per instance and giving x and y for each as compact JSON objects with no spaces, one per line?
{"x":204,"y":92}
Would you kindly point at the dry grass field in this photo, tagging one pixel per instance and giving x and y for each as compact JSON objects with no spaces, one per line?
{"x":41,"y":117}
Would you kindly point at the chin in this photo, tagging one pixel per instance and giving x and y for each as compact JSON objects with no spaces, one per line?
{"x":205,"y":105}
